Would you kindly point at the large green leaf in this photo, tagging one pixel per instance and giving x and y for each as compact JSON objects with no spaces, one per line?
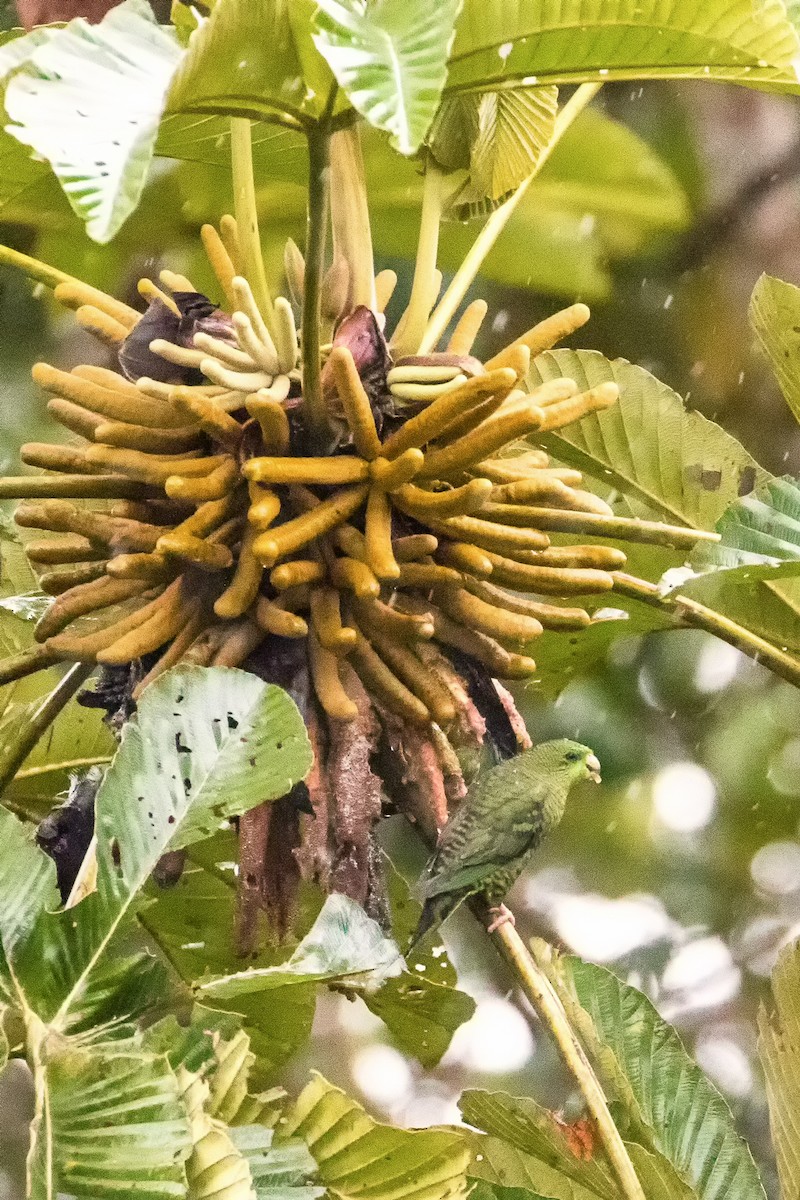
{"x":255,"y":58}
{"x":759,"y":531}
{"x":548,"y":41}
{"x":497,"y":137}
{"x":107,"y":1126}
{"x":366,"y":1159}
{"x":279,"y":1172}
{"x":775,"y":318}
{"x":342,"y":944}
{"x":89,"y":100}
{"x":671,"y":1106}
{"x":779,"y":1049}
{"x":663,"y":458}
{"x":27,"y":888}
{"x":208,"y":743}
{"x":390,"y":57}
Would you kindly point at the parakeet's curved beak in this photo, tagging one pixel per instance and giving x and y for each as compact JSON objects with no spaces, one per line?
{"x":593,"y":763}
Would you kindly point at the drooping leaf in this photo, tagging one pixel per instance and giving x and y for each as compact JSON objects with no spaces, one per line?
{"x":208,"y":743}
{"x":89,"y":100}
{"x":760,"y":535}
{"x":342,"y":944}
{"x":107,"y":1125}
{"x":546,"y":41}
{"x":215,"y":1166}
{"x":365,"y":1158}
{"x":255,"y":58}
{"x":779,"y":1050}
{"x":496,"y":136}
{"x":670,"y":1104}
{"x":775,"y":318}
{"x":390,"y":59}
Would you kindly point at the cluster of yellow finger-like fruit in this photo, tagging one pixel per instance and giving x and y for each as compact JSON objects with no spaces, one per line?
{"x":213,"y":529}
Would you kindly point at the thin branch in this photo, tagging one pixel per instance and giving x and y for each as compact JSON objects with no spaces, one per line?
{"x":319,"y":143}
{"x":244,"y":200}
{"x":541,"y":994}
{"x":687,"y":611}
{"x":473,"y":260}
{"x":42,"y":719}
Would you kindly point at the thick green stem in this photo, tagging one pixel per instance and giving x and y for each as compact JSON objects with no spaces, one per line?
{"x":41,"y":721}
{"x":541,"y":994}
{"x":244,"y":200}
{"x":411,"y":328}
{"x":319,"y":144}
{"x":352,"y":236}
{"x":464,"y":276}
{"x":687,"y":611}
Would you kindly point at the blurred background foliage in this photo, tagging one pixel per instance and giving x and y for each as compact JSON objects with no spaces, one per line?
{"x":660,"y":208}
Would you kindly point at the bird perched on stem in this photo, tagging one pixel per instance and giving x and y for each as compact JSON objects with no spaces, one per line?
{"x":506,"y":814}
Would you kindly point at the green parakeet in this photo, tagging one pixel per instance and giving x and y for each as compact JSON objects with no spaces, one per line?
{"x":505,"y":815}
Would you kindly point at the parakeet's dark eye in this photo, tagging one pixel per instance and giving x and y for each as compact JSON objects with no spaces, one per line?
{"x":573,"y":755}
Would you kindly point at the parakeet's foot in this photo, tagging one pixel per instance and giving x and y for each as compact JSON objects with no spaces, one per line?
{"x":504,"y":916}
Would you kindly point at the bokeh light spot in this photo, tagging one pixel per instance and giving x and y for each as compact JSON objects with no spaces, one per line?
{"x":684,"y":796}
{"x":495,"y":1040}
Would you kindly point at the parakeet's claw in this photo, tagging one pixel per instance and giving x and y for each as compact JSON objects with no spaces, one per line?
{"x":504,"y":917}
{"x":593,"y":763}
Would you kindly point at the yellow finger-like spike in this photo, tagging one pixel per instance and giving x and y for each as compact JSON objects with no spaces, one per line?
{"x":120,"y":404}
{"x":293,"y":535}
{"x":75,"y":294}
{"x":490,"y":535}
{"x":88,"y":597}
{"x":294,"y":574}
{"x":385,"y":684}
{"x":551,"y":616}
{"x":243,"y":588}
{"x":603,"y":558}
{"x":557,"y":581}
{"x":274,"y":619}
{"x":246,"y":303}
{"x":498,"y":623}
{"x":264,"y":506}
{"x":176,"y":282}
{"x":68,"y":549}
{"x":356,"y":403}
{"x":327,"y":682}
{"x":513,"y":468}
{"x":240,"y":381}
{"x":69,"y":459}
{"x":326,"y":619}
{"x":150,"y":291}
{"x":482,"y":441}
{"x":115,"y":533}
{"x":567,"y":411}
{"x":547,"y":333}
{"x":208,"y":555}
{"x":182,"y":356}
{"x":149,"y":468}
{"x":351,"y":541}
{"x":224,"y":352}
{"x":321,"y":471}
{"x":402,"y":626}
{"x":378,"y":535}
{"x":455,"y":502}
{"x":73,"y":416}
{"x":220,"y":261}
{"x":208,"y":517}
{"x":427,"y":575}
{"x":464,"y":557}
{"x":285,"y":335}
{"x":545,"y":490}
{"x":262,"y":353}
{"x":429,"y":424}
{"x":154,"y":566}
{"x":195,"y":624}
{"x":54,"y":583}
{"x":142,"y":437}
{"x":385,"y":283}
{"x":390,"y":474}
{"x":229,"y":232}
{"x":99,"y":323}
{"x":414,"y":547}
{"x":211,"y":419}
{"x":168,"y":617}
{"x":351,"y":575}
{"x":240,"y":640}
{"x":85,"y":647}
{"x":198,"y":488}
{"x":482,"y":647}
{"x":467,"y":328}
{"x":272,"y":418}
{"x":416,"y":676}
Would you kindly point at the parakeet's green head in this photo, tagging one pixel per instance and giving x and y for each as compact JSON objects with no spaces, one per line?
{"x":565,"y":760}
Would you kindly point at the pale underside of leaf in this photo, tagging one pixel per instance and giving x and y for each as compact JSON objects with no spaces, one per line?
{"x":779,"y":1050}
{"x":775,"y":318}
{"x":89,"y":100}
